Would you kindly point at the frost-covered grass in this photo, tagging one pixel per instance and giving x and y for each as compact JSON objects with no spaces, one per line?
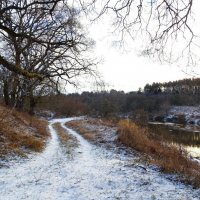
{"x":80,"y":127}
{"x":20,"y":133}
{"x":169,"y":158}
{"x":66,"y":140}
{"x":62,"y":133}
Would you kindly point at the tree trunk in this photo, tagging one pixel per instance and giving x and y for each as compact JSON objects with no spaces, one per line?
{"x":6,"y":93}
{"x":32,"y":102}
{"x":20,"y":103}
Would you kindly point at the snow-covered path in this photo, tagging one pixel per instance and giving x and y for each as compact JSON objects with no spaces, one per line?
{"x":86,"y":172}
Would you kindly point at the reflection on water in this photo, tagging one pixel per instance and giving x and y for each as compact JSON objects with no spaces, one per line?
{"x":194,"y":151}
{"x":188,"y":136}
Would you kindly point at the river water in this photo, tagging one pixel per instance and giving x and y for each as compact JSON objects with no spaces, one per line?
{"x":188,"y":136}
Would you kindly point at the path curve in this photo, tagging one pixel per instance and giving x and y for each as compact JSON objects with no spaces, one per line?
{"x":86,"y":172}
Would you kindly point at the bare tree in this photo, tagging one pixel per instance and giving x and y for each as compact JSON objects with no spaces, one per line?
{"x":42,"y":39}
{"x":168,"y":25}
{"x":42,"y":44}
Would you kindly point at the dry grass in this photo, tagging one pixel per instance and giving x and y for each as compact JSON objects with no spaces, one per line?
{"x":80,"y":127}
{"x":16,"y":141}
{"x":32,"y":121}
{"x":66,"y":140}
{"x":169,"y":158}
{"x":62,"y":133}
{"x":21,"y":133}
{"x":109,"y":122}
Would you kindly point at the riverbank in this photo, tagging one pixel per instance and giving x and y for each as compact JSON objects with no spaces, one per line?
{"x":180,"y":115}
{"x":89,"y":171}
{"x":169,"y":158}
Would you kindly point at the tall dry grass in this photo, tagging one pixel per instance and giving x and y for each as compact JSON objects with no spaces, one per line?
{"x":168,"y":157}
{"x":32,"y":121}
{"x":20,"y":133}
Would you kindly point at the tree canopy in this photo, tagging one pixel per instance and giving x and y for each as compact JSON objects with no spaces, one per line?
{"x":42,"y":44}
{"x":42,"y":39}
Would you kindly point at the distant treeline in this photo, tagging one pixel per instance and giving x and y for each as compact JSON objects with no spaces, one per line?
{"x":112,"y":103}
{"x":157,"y":97}
{"x":154,"y":98}
{"x":185,"y":86}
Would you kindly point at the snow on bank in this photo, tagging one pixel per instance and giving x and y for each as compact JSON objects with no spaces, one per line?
{"x":186,"y":110}
{"x":86,"y":172}
{"x":191,"y":113}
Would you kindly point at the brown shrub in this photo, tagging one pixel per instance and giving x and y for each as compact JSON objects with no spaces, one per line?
{"x":168,"y":157}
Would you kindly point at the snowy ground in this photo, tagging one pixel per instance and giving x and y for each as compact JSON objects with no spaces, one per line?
{"x":186,"y":110}
{"x":86,"y":172}
{"x":191,"y":113}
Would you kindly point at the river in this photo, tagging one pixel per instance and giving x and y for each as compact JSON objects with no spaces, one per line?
{"x":188,"y":136}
